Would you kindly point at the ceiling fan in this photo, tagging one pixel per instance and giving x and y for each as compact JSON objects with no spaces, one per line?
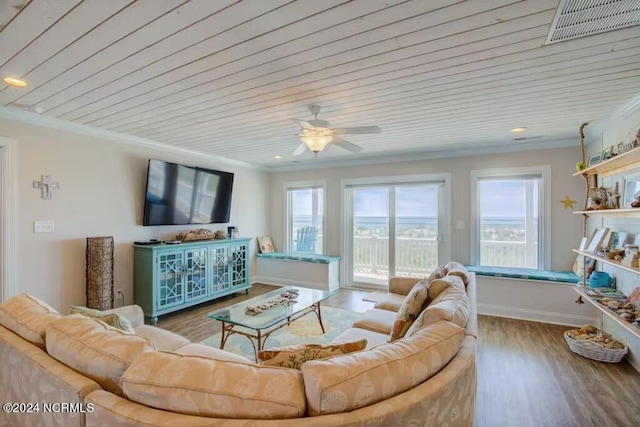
{"x":316,"y":134}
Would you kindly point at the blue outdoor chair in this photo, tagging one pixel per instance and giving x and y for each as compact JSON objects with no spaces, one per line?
{"x":306,"y":241}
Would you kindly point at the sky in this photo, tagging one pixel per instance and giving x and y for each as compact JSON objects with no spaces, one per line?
{"x":503,"y":198}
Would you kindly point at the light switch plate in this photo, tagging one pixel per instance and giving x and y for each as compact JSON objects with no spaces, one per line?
{"x":460,"y":225}
{"x":47,"y":226}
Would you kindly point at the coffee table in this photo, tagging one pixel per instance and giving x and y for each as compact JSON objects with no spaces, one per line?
{"x":260,"y":326}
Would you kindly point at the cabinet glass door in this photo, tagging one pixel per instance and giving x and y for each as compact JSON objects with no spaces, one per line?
{"x":238,"y":265}
{"x":196,"y":273}
{"x":220,"y":269}
{"x":170,"y":286}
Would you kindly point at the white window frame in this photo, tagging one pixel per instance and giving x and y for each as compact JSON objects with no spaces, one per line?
{"x":301,"y":185}
{"x":544,"y":220}
{"x":444,"y":219}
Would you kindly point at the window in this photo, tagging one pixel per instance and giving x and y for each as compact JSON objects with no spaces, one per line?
{"x":394,"y":226}
{"x":510,"y":222}
{"x":305,"y":218}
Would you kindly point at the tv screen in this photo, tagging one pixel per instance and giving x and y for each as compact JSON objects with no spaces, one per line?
{"x":178,"y":194}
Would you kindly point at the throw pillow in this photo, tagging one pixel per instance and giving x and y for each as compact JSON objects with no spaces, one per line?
{"x":111,"y":319}
{"x":438,"y":273}
{"x":411,"y":307}
{"x":294,"y":356}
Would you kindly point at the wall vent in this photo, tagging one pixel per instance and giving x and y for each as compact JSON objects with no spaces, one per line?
{"x":579,"y":18}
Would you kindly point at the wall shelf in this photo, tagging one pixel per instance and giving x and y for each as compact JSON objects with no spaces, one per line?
{"x":625,"y":324}
{"x":622,"y":211}
{"x":620,"y":163}
{"x":604,"y":260}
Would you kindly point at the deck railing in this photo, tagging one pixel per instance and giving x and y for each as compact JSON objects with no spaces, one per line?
{"x":417,"y":256}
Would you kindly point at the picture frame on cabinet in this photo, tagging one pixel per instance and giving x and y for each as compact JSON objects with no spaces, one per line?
{"x":606,"y":154}
{"x":630,"y":190}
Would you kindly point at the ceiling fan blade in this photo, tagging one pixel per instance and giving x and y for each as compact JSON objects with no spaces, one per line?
{"x":301,"y":149}
{"x":349,"y":146}
{"x":357,"y":130}
{"x":303,"y":123}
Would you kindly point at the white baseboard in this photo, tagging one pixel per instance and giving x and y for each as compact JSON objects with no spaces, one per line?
{"x":534,"y":315}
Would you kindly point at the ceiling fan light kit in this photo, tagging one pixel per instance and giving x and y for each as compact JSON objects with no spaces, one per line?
{"x":316,"y":134}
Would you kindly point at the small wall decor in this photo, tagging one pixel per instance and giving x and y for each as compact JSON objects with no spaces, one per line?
{"x":100,"y":273}
{"x":568,"y":203}
{"x":46,"y":186}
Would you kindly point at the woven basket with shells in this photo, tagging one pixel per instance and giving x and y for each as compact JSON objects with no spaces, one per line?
{"x":592,"y":343}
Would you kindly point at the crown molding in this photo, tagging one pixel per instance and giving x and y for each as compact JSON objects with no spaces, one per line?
{"x":92,"y":131}
{"x":427,"y":155}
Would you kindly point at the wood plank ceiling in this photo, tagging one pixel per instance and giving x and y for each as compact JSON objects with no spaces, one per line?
{"x":224,"y":76}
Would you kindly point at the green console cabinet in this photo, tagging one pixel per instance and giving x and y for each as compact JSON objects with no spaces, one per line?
{"x":168,"y":278}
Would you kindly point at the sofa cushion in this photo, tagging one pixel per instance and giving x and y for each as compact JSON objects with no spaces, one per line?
{"x":294,"y":356}
{"x":214,"y":388}
{"x":373,"y":338}
{"x":28,"y":317}
{"x":345,"y":383}
{"x":437,"y":286}
{"x":451,"y":305}
{"x":212,"y":353}
{"x":438,"y":273}
{"x":413,"y":304}
{"x":456,"y":269}
{"x":376,"y":320}
{"x":390,"y":302}
{"x":164,"y":340}
{"x":95,"y":349}
{"x":111,"y":319}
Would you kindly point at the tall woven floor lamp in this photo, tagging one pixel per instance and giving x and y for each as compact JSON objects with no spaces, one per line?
{"x":100,"y":293}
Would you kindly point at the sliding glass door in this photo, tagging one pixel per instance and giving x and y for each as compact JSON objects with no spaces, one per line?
{"x":393,"y":229}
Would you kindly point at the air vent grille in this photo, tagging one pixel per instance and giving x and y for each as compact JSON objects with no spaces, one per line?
{"x":579,"y":18}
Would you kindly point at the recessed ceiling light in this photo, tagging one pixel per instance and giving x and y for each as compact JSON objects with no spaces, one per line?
{"x":520,"y":129}
{"x":277,"y":157}
{"x":14,"y":82}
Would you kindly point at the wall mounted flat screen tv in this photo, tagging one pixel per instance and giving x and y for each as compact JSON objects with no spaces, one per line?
{"x":178,"y":194}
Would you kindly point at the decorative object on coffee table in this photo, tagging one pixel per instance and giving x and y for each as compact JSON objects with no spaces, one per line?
{"x":99,"y":256}
{"x":282,"y":299}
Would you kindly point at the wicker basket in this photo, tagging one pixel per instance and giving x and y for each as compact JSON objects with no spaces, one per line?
{"x":595,"y":351}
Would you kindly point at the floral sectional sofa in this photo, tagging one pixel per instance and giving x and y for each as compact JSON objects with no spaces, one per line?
{"x":152,"y":377}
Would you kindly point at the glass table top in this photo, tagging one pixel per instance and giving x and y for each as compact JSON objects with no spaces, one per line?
{"x":236,"y":313}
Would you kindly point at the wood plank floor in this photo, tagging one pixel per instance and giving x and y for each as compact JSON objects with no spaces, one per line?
{"x":527,"y":376}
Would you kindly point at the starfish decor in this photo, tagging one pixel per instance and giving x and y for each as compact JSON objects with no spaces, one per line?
{"x":568,"y":203}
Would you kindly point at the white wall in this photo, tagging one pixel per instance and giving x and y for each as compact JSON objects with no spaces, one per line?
{"x":566,"y":231}
{"x":101,"y":193}
{"x":522,"y":299}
